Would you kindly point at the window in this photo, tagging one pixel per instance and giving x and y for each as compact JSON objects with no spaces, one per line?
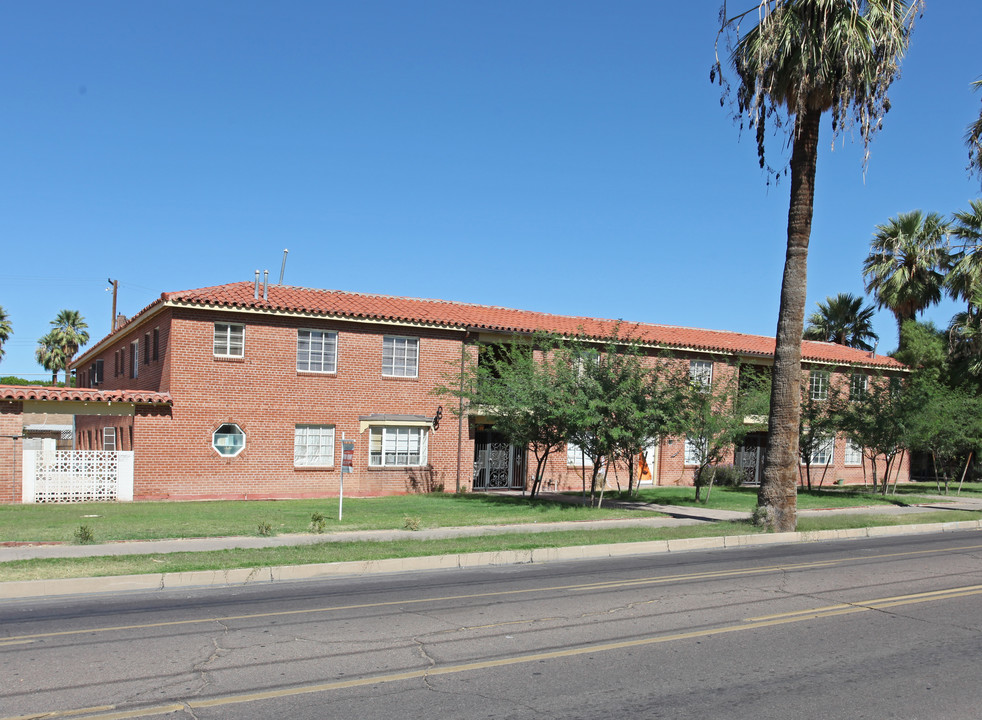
{"x":228,"y":440}
{"x":146,"y":348}
{"x":858,"y":384}
{"x":313,"y":445}
{"x":135,"y":359}
{"x":95,"y":372}
{"x":854,"y":453}
{"x":122,"y":361}
{"x":701,"y":374}
{"x":229,"y":340}
{"x":156,"y":344}
{"x":695,"y":449}
{"x":819,"y":385}
{"x":109,"y":438}
{"x":397,"y":446}
{"x":822,"y":454}
{"x":317,"y":351}
{"x":400,"y":356}
{"x":575,"y":456}
{"x":583,"y":359}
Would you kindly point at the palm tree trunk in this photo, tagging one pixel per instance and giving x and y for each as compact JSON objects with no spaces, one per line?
{"x":777,"y":496}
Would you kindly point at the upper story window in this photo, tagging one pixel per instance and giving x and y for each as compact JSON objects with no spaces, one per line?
{"x":400,"y":356}
{"x":858,"y":384}
{"x":701,"y":374}
{"x":156,"y":344}
{"x":317,"y":351}
{"x":229,"y":340}
{"x":134,"y":358}
{"x":822,"y":453}
{"x":96,"y":372}
{"x":818,"y":383}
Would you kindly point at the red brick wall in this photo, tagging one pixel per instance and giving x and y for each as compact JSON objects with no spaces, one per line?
{"x":265,"y":395}
{"x":11,"y":450}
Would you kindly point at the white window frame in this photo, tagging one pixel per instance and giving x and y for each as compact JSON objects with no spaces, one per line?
{"x":397,"y":348}
{"x":823,"y":454}
{"x":225,"y":343}
{"x":692,"y":450}
{"x":109,"y":438}
{"x":135,"y":359}
{"x":575,"y":457}
{"x":313,"y":445}
{"x":858,"y":386}
{"x":818,"y":385}
{"x":323,"y":355}
{"x":701,"y":374}
{"x":225,"y":443}
{"x":853,"y":453}
{"x":388,"y":444}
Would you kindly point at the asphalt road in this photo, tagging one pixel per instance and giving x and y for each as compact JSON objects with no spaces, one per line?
{"x":887,"y":628}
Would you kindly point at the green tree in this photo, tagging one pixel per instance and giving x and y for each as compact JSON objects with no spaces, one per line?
{"x":973,"y":138}
{"x":821,"y":415}
{"x":945,"y":422}
{"x":842,"y":320}
{"x":801,"y":59}
{"x":70,"y":332}
{"x":6,"y":330}
{"x":50,"y":355}
{"x":878,"y":422}
{"x":713,"y":418}
{"x":618,"y":406}
{"x":906,"y":266}
{"x":526,"y":397}
{"x":922,"y":345}
{"x":965,"y":276}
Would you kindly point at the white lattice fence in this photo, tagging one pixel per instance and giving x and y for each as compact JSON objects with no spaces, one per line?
{"x":77,"y":476}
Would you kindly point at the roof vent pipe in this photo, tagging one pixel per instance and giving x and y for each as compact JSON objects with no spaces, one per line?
{"x":283,"y":267}
{"x":873,"y":353}
{"x":265,"y":284}
{"x":256,"y":293}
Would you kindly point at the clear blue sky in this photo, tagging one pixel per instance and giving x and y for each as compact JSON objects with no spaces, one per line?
{"x":565,"y":156}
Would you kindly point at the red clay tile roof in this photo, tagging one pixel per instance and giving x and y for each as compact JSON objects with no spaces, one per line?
{"x":39,"y":392}
{"x":442,"y":313}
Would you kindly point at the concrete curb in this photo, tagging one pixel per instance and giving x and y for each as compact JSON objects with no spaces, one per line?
{"x":289,"y":573}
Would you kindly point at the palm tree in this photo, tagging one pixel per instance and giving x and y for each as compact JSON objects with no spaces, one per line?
{"x":973,"y":138}
{"x":842,"y":320}
{"x":965,"y":276}
{"x":70,"y":332}
{"x":906,"y":265}
{"x":49,"y":355}
{"x":5,"y":330}
{"x":801,"y":59}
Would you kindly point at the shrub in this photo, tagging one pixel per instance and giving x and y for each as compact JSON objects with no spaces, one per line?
{"x":264,"y":528}
{"x":411,"y":523}
{"x":726,"y":476}
{"x":84,"y":535}
{"x":317,"y":523}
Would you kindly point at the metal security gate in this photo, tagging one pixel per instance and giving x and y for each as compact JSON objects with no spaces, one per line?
{"x":750,"y":457}
{"x":498,"y":466}
{"x":66,"y":476}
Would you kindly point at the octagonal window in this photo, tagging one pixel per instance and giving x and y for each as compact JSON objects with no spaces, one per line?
{"x":228,"y":440}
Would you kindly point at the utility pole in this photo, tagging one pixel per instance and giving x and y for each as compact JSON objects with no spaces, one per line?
{"x":115,"y":284}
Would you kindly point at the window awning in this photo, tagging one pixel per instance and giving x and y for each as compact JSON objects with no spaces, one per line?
{"x":391,"y":419}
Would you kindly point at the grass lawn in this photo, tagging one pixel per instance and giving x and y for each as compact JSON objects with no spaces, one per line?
{"x":156,"y":520}
{"x":745,"y":499}
{"x":339,"y":552}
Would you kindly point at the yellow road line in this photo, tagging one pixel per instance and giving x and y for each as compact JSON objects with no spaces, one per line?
{"x":661,"y":579}
{"x":789,"y":618}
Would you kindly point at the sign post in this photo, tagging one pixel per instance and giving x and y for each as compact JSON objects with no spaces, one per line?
{"x":347,"y":465}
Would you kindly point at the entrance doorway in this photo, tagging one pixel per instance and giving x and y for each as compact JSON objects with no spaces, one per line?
{"x":498,"y":465}
{"x":750,"y":457}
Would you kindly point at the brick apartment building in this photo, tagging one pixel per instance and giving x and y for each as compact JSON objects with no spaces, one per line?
{"x":245,"y":390}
